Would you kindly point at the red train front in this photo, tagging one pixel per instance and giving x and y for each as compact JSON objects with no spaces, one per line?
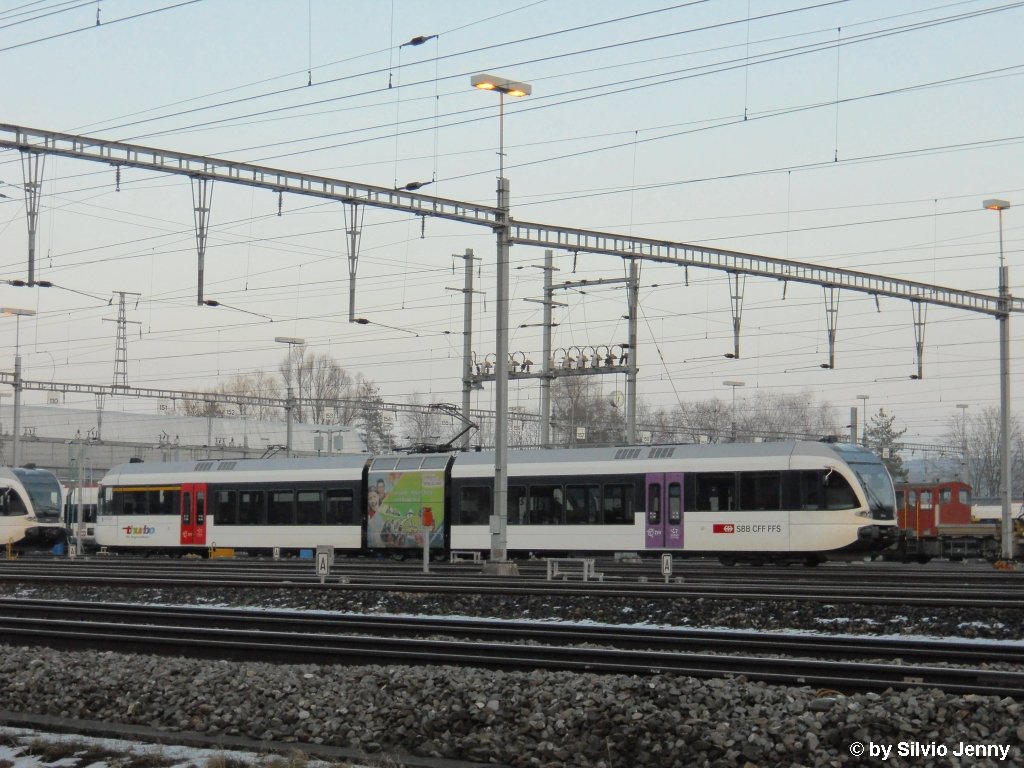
{"x":923,"y":507}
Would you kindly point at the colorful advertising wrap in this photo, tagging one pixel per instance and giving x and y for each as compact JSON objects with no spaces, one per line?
{"x":397,"y":504}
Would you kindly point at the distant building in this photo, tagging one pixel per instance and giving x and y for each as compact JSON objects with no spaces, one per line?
{"x":55,"y":437}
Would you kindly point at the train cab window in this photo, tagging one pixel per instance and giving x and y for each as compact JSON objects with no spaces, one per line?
{"x":760,"y":490}
{"x":926,"y":499}
{"x":675,"y":503}
{"x":912,"y":499}
{"x":582,"y":504}
{"x":715,"y":491}
{"x":251,"y":507}
{"x":11,"y":503}
{"x":341,"y":508}
{"x":965,"y":497}
{"x":474,"y":505}
{"x":901,"y":498}
{"x":223,"y":508}
{"x":309,"y":509}
{"x":545,"y":505}
{"x":517,"y":505}
{"x":618,"y":504}
{"x":281,"y":508}
{"x":946,"y":496}
{"x":654,"y":503}
{"x":838,"y":493}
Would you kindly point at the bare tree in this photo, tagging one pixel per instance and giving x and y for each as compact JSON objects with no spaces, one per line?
{"x":375,"y":424}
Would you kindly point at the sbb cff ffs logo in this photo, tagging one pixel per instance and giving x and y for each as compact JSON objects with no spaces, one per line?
{"x":724,"y":528}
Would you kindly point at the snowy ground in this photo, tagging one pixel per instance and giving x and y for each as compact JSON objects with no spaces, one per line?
{"x":23,"y":748}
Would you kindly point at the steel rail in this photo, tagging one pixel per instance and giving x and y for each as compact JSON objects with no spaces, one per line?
{"x":547,"y":632}
{"x":291,"y":647}
{"x":857,"y":593}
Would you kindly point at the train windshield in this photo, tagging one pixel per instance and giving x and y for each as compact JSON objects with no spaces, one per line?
{"x":879,"y":489}
{"x":43,"y":489}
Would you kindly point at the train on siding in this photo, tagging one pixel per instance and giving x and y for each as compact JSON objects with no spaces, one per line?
{"x":773,"y":502}
{"x":30,"y":508}
{"x":941,"y":519}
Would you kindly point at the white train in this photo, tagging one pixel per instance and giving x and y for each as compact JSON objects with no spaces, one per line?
{"x":30,"y":508}
{"x":781,"y":501}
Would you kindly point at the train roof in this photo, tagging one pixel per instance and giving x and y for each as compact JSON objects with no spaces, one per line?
{"x":769,"y":455}
{"x":343,"y":467}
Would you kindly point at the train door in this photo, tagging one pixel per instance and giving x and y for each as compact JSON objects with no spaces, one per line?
{"x":664,"y":510}
{"x":193,"y":514}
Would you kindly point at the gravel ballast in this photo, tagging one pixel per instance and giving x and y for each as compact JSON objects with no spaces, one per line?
{"x":519,"y":718}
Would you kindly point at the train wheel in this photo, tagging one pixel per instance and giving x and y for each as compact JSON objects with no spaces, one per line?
{"x":727,"y":561}
{"x":812,"y":561}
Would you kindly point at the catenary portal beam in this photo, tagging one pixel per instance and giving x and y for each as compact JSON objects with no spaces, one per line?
{"x":30,"y":140}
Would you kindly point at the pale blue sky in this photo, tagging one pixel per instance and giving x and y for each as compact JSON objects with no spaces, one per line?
{"x":872,"y":156}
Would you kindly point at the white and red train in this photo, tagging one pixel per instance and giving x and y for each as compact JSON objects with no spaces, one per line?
{"x":781,"y":501}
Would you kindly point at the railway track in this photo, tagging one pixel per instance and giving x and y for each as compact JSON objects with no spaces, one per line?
{"x":860,"y":584}
{"x":787,"y":659}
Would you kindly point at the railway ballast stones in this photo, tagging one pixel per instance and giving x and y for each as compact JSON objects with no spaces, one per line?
{"x":520,"y":719}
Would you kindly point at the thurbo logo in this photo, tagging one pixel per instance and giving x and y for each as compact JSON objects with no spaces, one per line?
{"x":138,"y":530}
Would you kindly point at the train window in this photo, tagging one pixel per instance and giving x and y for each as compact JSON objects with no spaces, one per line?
{"x":912,"y":499}
{"x":900,"y":499}
{"x":224,"y":511}
{"x":474,"y":505}
{"x":384,"y":464}
{"x":838,"y":493}
{"x":618,"y":504}
{"x":545,"y":505}
{"x":309,"y":509}
{"x":410,"y":463}
{"x":341,"y":508}
{"x":760,"y":490}
{"x":250,"y":508}
{"x":435,"y":462}
{"x":946,"y":496}
{"x":281,"y":508}
{"x":715,"y":491}
{"x":654,"y":503}
{"x":675,"y":503}
{"x":163,"y":502}
{"x":965,"y":496}
{"x":582,"y":504}
{"x":926,"y":499}
{"x":516,"y":502}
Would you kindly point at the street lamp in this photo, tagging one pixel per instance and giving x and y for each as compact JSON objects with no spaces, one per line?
{"x":1004,"y":382}
{"x":863,"y":419}
{"x":292,"y":342}
{"x":499,"y":518}
{"x":17,"y":313}
{"x":734,"y":385}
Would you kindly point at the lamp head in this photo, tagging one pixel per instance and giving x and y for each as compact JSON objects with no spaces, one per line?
{"x":995,"y":204}
{"x":501,"y":84}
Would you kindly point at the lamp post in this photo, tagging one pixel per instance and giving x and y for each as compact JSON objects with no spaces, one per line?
{"x":292,"y":342}
{"x":734,"y":385}
{"x":864,"y":419}
{"x":965,"y":472}
{"x":1006,"y":485}
{"x":499,"y":517}
{"x":17,"y":313}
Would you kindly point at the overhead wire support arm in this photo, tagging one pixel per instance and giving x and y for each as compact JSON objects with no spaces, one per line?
{"x":686,"y":255}
{"x":31,"y":141}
